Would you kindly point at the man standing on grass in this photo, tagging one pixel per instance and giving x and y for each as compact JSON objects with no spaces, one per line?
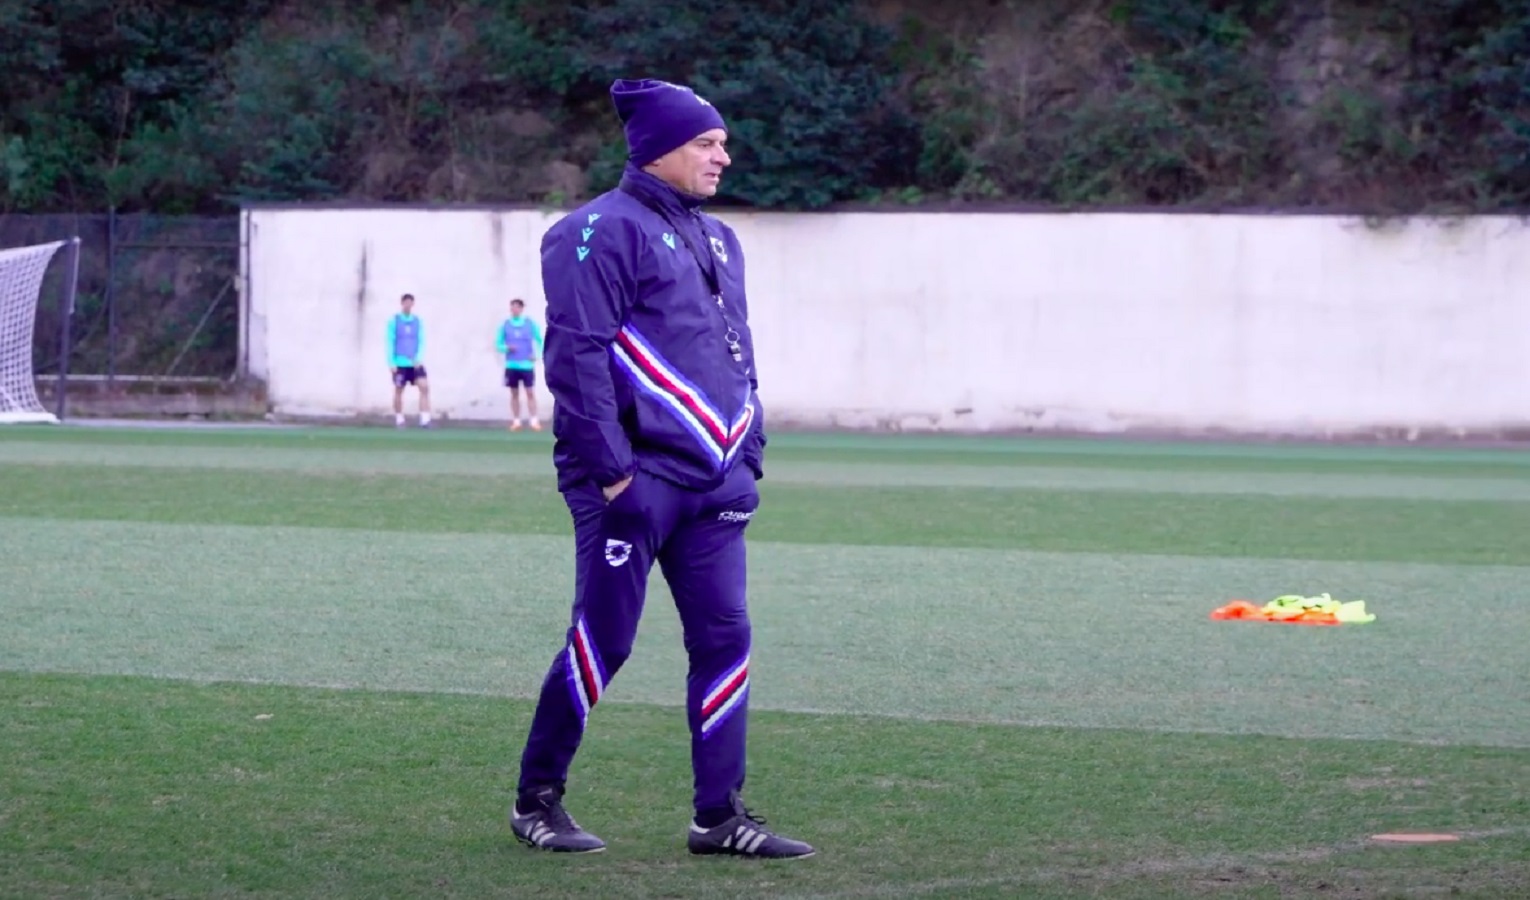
{"x":660,"y":439}
{"x":406,"y":354}
{"x":520,"y":342}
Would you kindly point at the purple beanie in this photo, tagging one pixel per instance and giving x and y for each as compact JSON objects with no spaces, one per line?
{"x":659,"y":116}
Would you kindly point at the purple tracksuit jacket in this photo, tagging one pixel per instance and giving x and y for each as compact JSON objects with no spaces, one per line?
{"x":639,"y":353}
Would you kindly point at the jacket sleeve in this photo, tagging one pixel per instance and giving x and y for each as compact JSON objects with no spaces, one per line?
{"x":753,"y":452}
{"x":499,"y":340}
{"x":392,"y":339}
{"x":588,"y":298}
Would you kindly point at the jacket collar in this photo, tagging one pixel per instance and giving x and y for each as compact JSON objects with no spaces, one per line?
{"x":659,"y":191}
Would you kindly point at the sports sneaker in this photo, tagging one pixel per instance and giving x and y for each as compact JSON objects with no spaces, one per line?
{"x":548,"y":826}
{"x":745,"y":835}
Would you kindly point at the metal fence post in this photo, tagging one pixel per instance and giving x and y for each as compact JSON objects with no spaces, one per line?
{"x":66,"y":306}
{"x":111,"y":298}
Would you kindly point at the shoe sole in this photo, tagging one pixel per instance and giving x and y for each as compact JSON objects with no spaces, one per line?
{"x":737,"y":855}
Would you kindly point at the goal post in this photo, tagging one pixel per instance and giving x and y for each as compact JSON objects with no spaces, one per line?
{"x":21,"y":281}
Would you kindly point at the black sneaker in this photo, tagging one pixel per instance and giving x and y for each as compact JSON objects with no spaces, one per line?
{"x":745,"y":835}
{"x":546,"y":825}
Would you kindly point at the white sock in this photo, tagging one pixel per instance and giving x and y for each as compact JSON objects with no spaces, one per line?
{"x":424,"y":418}
{"x":399,"y":418}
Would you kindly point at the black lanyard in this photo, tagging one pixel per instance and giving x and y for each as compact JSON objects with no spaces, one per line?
{"x":705,"y":262}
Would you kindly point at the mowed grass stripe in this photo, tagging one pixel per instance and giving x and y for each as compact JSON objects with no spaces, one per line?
{"x":1111,"y":452}
{"x":182,"y":790}
{"x":1461,"y":532}
{"x":413,"y":463}
{"x":1071,"y":639}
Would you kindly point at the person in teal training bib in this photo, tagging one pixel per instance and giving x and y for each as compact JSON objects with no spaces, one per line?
{"x":520,"y":343}
{"x":406,"y":355}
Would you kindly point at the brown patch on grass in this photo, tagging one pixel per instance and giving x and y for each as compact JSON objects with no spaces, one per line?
{"x":1385,"y":783}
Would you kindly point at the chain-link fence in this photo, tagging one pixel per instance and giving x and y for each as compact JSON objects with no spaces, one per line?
{"x":158,"y":296}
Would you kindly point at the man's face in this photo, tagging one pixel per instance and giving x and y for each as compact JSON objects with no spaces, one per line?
{"x":515,"y":309}
{"x":408,"y":304}
{"x":696,"y":166}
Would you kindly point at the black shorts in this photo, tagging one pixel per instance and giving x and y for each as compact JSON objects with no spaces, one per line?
{"x":527,"y":377}
{"x":408,"y":375}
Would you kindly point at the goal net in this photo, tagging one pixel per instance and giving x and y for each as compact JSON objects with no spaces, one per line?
{"x":21,"y":280}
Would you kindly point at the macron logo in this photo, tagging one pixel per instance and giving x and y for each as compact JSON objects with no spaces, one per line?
{"x":733,"y":515}
{"x":685,"y":90}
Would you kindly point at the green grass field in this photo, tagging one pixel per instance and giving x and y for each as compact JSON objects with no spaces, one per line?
{"x":297,"y":662}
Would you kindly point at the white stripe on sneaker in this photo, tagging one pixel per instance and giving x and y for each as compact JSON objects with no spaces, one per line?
{"x":746,"y":839}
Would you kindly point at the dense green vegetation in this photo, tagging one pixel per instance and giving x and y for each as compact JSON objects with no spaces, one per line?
{"x":194,"y":105}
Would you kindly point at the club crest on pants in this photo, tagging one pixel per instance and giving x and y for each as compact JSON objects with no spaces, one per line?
{"x":617,"y":552}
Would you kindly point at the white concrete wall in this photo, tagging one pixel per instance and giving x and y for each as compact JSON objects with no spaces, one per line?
{"x":323,"y":284}
{"x":1099,"y":322}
